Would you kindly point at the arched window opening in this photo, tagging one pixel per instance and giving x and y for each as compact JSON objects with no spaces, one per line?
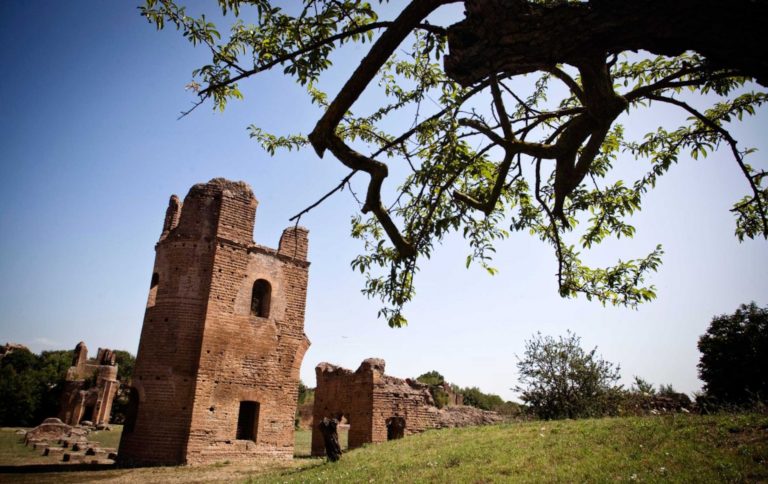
{"x":153,"y":289}
{"x":260,"y":298}
{"x":248,"y":421}
{"x":132,"y":411}
{"x":395,"y":428}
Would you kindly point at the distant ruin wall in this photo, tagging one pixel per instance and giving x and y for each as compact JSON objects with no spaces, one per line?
{"x":90,"y":387}
{"x":380,"y":407}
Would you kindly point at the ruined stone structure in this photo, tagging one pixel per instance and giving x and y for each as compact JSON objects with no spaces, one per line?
{"x":90,"y":387}
{"x":380,"y":407}
{"x":217,"y":371}
{"x":9,"y":348}
{"x":454,"y":398}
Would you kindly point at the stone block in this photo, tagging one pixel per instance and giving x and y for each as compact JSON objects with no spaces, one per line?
{"x":53,"y":451}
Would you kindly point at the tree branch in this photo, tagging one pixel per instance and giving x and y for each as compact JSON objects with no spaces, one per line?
{"x":309,"y":48}
{"x":520,"y":36}
{"x":338,"y":187}
{"x":732,"y":143}
{"x":568,"y":81}
{"x":409,"y":18}
{"x":378,"y":172}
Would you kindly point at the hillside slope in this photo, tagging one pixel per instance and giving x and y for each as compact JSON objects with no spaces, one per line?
{"x":679,"y":448}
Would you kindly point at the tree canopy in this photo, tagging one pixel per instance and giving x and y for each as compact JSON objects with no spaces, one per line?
{"x":30,"y":385}
{"x":512,"y":118}
{"x":734,"y":356}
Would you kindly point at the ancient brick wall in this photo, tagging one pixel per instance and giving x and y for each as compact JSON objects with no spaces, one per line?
{"x":90,"y":387}
{"x":343,"y":394}
{"x":370,"y":400}
{"x":217,"y":370}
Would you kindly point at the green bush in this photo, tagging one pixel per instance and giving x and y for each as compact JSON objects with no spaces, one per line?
{"x":561,"y":380}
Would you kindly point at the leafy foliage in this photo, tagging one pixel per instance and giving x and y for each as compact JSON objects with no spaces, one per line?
{"x":306,"y":394}
{"x":734,"y":356}
{"x":431,"y":378}
{"x":125,"y":363}
{"x":474,"y":397}
{"x":505,"y":155}
{"x":558,"y":379}
{"x":435,"y":381}
{"x":30,"y":385}
{"x":643,"y":387}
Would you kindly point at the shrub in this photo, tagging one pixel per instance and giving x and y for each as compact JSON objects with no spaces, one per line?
{"x":561,"y":380}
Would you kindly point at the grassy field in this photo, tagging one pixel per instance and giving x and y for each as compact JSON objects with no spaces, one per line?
{"x":680,"y":448}
{"x":14,"y":453}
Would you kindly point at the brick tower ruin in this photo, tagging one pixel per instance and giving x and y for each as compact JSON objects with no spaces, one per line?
{"x":217,"y":370}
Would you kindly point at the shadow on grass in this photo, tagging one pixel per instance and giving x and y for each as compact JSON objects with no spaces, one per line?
{"x":41,"y":468}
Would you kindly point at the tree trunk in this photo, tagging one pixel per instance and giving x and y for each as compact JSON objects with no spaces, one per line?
{"x":331,"y":438}
{"x":516,"y":37}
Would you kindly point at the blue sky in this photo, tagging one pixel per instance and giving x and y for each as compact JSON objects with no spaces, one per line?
{"x":90,"y":151}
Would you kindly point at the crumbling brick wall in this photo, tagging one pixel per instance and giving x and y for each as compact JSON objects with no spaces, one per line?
{"x":90,"y":387}
{"x":217,"y":371}
{"x":379,"y":407}
{"x":370,"y":400}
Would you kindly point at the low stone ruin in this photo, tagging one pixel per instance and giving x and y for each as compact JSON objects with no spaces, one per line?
{"x":69,"y":444}
{"x":50,"y":429}
{"x":379,"y":407}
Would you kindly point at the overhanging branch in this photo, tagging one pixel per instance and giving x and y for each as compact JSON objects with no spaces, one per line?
{"x":519,"y":36}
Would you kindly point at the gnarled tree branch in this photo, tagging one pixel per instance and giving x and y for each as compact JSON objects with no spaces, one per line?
{"x":519,"y":36}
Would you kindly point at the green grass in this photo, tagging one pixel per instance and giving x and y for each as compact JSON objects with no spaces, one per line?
{"x":107,"y":438}
{"x":303,"y":442}
{"x":680,"y":448}
{"x":12,"y":449}
{"x":14,"y":452}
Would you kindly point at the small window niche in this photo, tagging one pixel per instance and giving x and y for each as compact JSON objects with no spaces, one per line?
{"x":248,"y":421}
{"x":153,"y":290}
{"x":260,"y":298}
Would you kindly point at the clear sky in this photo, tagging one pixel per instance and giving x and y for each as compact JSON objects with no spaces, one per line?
{"x":90,"y":151}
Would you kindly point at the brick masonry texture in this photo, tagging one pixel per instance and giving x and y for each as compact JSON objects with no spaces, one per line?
{"x":206,"y":347}
{"x":90,"y":387}
{"x":371,"y":401}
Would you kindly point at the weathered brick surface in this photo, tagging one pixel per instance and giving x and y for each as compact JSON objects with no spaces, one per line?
{"x":203,"y":351}
{"x":370,"y":400}
{"x":367,"y":399}
{"x":79,"y":400}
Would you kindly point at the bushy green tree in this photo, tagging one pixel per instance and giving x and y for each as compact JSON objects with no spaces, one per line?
{"x":474,"y":397}
{"x":643,"y":387}
{"x":431,"y":378}
{"x":20,"y":390}
{"x":125,"y":362}
{"x":559,"y":379}
{"x":734,"y":357}
{"x":487,"y":152}
{"x":52,"y":369}
{"x":435,"y":381}
{"x":306,"y":394}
